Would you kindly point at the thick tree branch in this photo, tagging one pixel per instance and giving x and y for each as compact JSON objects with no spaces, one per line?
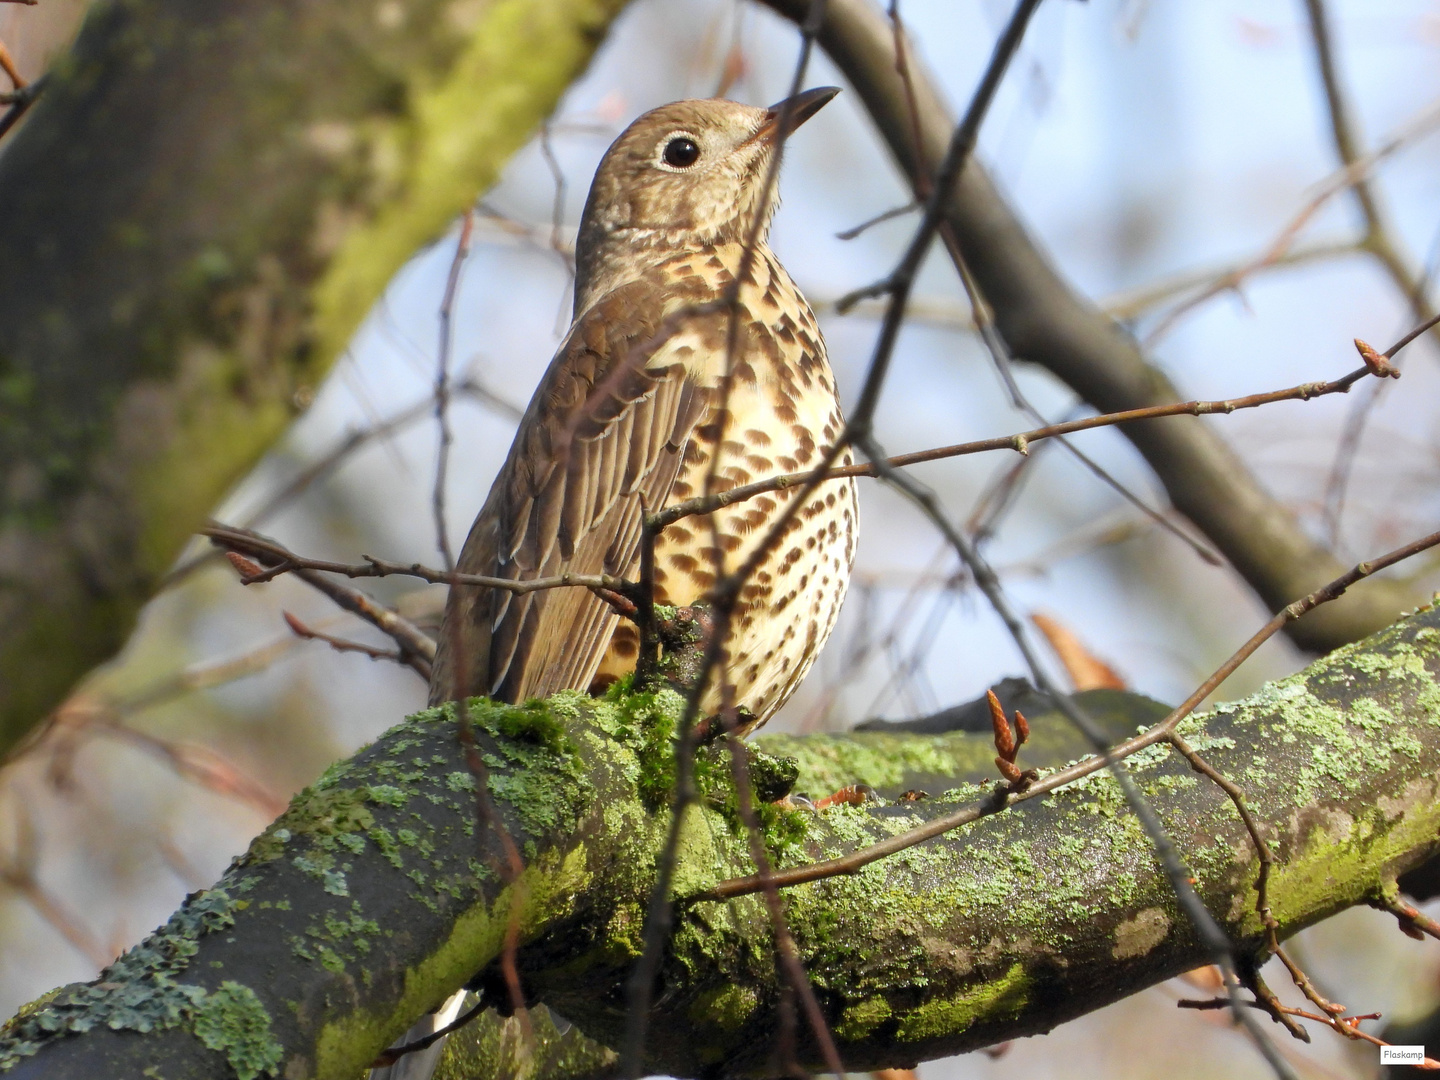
{"x":373,"y":897}
{"x":1043,"y":320}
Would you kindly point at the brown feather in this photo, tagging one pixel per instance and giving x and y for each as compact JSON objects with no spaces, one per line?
{"x":582,"y":516}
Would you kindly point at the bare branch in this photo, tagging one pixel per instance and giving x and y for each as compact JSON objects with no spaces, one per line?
{"x":1353,"y":175}
{"x":1019,"y":442}
{"x":442,"y":388}
{"x":286,"y":561}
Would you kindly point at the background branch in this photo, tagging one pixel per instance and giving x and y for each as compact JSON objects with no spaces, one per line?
{"x":1044,"y":321}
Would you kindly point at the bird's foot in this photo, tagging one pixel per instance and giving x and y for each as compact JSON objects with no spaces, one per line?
{"x":672,"y":648}
{"x":771,"y":778}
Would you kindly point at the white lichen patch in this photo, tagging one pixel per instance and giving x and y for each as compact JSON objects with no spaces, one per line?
{"x":1137,"y":936}
{"x":1418,"y":792}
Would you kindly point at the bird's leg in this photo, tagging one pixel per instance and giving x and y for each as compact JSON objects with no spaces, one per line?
{"x":771,"y":778}
{"x":677,"y":658}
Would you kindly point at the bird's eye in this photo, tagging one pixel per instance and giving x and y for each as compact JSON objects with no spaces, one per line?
{"x":681,"y":152}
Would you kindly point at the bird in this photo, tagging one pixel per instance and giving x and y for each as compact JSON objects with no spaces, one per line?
{"x":652,"y":398}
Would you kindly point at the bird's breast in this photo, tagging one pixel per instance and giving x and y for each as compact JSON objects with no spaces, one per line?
{"x":773,"y":410}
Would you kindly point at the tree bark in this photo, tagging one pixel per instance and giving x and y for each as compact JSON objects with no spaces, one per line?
{"x":376,"y":895}
{"x":197,"y":214}
{"x":1044,"y":321}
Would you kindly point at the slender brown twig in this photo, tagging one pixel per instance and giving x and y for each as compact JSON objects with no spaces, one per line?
{"x":286,"y":561}
{"x":1019,"y":442}
{"x":20,"y":101}
{"x":1211,"y":935}
{"x":299,"y":628}
{"x":8,"y":65}
{"x":1266,"y":859}
{"x":1354,"y":175}
{"x":660,"y":910}
{"x":442,"y":387}
{"x":17,"y":872}
{"x":417,"y":648}
{"x":1349,"y":1026}
{"x":395,"y":1053}
{"x":1412,"y":920}
{"x":790,"y":961}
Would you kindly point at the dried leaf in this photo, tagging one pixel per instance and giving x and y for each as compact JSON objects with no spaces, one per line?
{"x":1086,"y":670}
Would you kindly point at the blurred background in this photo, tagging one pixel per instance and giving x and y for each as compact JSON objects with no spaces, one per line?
{"x":1152,"y":146}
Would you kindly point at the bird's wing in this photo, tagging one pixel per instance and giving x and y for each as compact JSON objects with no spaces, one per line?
{"x":618,"y":394}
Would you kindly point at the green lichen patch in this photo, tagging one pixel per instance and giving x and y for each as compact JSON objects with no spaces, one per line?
{"x":860,"y":1019}
{"x":319,"y":813}
{"x":140,"y":992}
{"x":233,"y":1021}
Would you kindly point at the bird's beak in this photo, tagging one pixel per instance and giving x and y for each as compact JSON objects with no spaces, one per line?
{"x":784,"y":117}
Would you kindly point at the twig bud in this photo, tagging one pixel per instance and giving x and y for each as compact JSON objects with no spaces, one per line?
{"x":1378,"y":363}
{"x":1004,"y":740}
{"x":246,"y":568}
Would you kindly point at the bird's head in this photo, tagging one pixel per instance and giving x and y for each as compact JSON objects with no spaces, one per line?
{"x":685,"y":174}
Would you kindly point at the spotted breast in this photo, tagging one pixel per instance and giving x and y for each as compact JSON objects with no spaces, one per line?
{"x":780,"y":414}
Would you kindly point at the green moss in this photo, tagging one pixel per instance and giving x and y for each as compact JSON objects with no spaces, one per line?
{"x":726,"y":1008}
{"x":233,"y":1021}
{"x":319,"y":813}
{"x":860,"y":1019}
{"x":544,"y":893}
{"x":996,"y":999}
{"x":386,"y":795}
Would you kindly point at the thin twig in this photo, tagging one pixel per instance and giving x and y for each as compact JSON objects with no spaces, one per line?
{"x":1266,"y":859}
{"x":1379,"y":233}
{"x":1019,"y":443}
{"x":869,"y":223}
{"x":417,"y":648}
{"x":308,"y":633}
{"x":660,"y":910}
{"x":286,"y":561}
{"x":1349,"y":1026}
{"x":790,"y":960}
{"x":1412,"y":920}
{"x":1353,"y":175}
{"x":1212,"y":936}
{"x":1337,"y":484}
{"x":1000,"y":357}
{"x":395,"y":1053}
{"x":8,"y":65}
{"x":442,"y":387}
{"x":341,"y":451}
{"x":54,"y":911}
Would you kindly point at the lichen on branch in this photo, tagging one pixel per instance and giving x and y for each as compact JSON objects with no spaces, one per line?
{"x":379,"y":892}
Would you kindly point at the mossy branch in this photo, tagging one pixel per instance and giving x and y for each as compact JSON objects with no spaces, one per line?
{"x":197,"y":215}
{"x":376,"y":895}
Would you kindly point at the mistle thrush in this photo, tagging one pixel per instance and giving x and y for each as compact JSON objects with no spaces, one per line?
{"x":634,"y":407}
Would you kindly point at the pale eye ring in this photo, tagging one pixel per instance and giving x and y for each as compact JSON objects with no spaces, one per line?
{"x":680,"y":151}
